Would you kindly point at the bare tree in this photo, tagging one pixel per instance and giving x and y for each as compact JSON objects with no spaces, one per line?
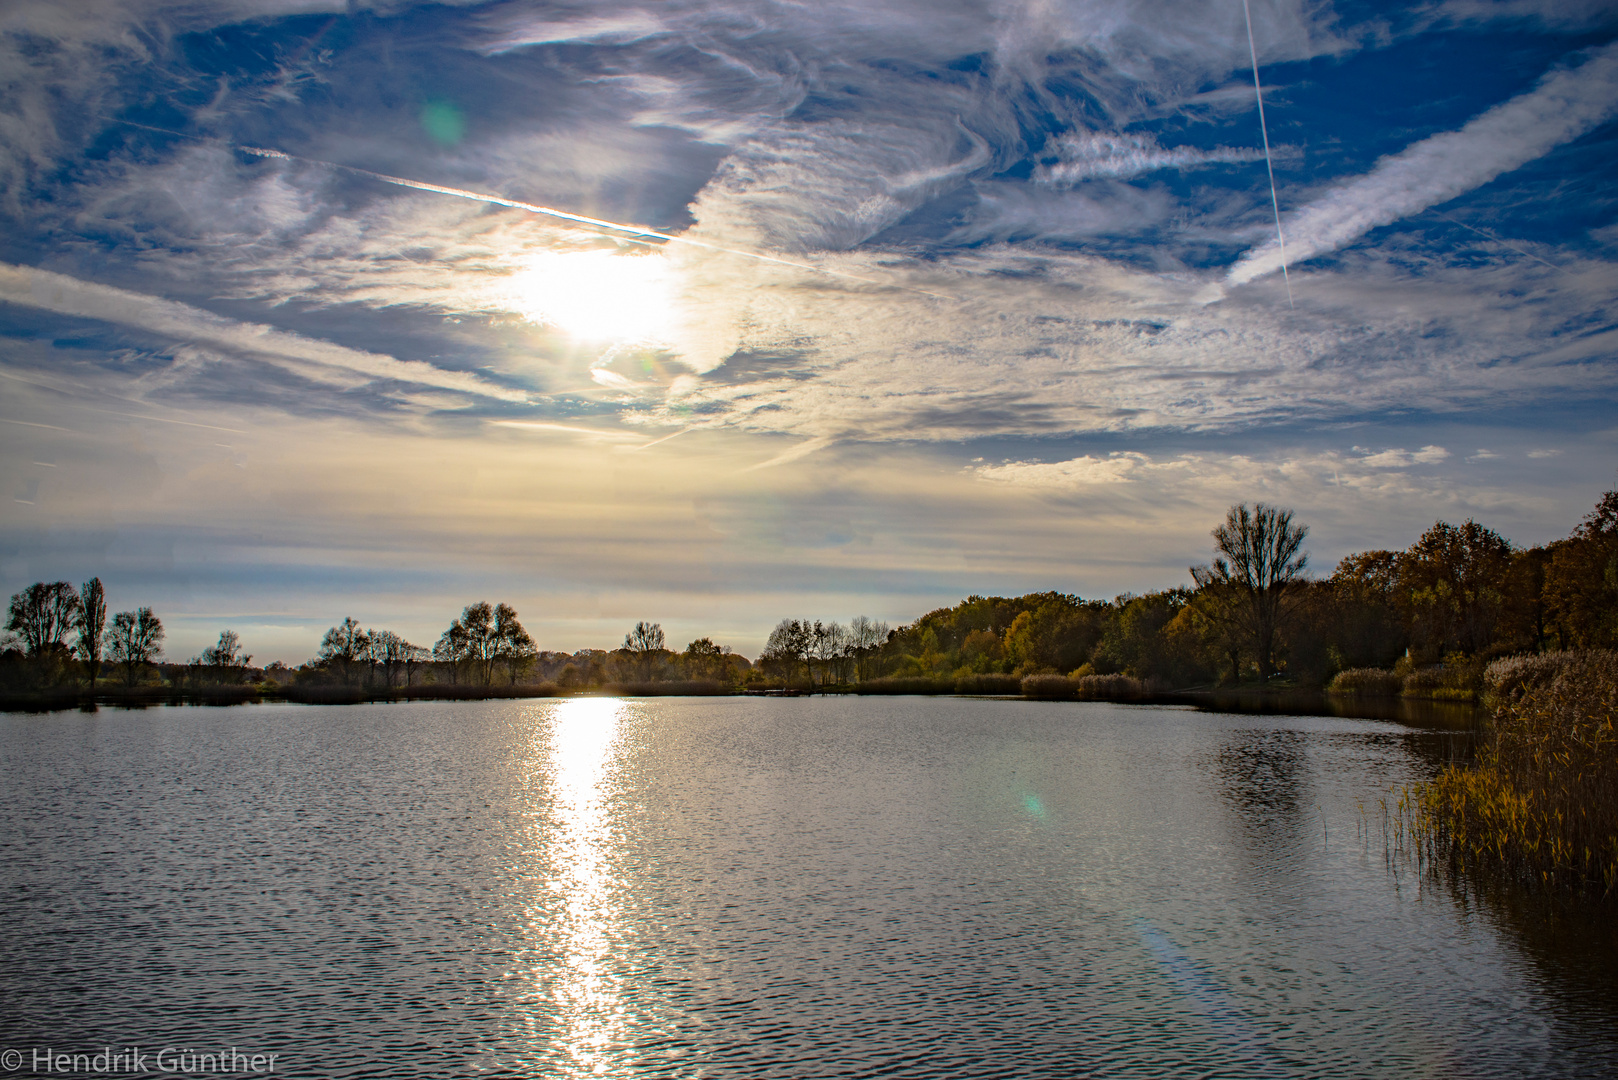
{"x":393,"y":653}
{"x":226,"y":657}
{"x":42,"y":615}
{"x":92,"y":625}
{"x":1260,"y":559}
{"x":865,"y":641}
{"x":829,"y":647}
{"x":344,"y":648}
{"x":644,"y":644}
{"x":135,"y":640}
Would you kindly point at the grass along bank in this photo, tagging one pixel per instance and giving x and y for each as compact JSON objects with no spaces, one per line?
{"x":1540,"y":801}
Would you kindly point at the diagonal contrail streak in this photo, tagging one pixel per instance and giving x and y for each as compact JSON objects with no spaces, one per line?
{"x":634,"y":233}
{"x":1264,"y":130}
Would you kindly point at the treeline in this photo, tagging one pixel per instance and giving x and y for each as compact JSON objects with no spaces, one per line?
{"x":1424,"y":620}
{"x":1429,"y":617}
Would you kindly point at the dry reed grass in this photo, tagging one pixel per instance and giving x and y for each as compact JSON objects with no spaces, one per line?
{"x":1366,"y":682}
{"x":1541,"y":801}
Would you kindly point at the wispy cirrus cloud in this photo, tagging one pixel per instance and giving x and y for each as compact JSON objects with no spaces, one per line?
{"x":320,"y":361}
{"x":1085,"y":156}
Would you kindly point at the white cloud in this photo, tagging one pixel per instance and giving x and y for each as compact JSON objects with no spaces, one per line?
{"x":318,"y":360}
{"x":1540,"y":455}
{"x":1401,"y":459}
{"x":1567,"y":103}
{"x":1101,"y":156}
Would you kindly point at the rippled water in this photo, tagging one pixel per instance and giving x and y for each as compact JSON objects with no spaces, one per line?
{"x":753,"y":888}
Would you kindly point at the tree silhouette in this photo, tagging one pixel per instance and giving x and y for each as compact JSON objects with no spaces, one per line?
{"x":512,"y":644}
{"x":92,"y":625}
{"x":226,"y":657}
{"x":343,"y":648}
{"x":1261,"y":558}
{"x":134,"y":641}
{"x":789,"y":645}
{"x":42,"y":616}
{"x":644,"y":644}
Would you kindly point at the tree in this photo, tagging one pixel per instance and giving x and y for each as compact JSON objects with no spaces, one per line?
{"x":344,"y":647}
{"x":865,"y":641}
{"x":788,"y":646}
{"x":1452,"y":582}
{"x":226,"y":657}
{"x":703,"y":659}
{"x":91,"y":626}
{"x":512,"y":644}
{"x":452,"y":649}
{"x":1369,"y":626}
{"x":134,"y":641}
{"x":644,"y":644}
{"x":1260,"y":558}
{"x":1581,"y":580}
{"x":477,"y":623}
{"x":828,"y":647}
{"x":393,"y":653}
{"x":42,"y":616}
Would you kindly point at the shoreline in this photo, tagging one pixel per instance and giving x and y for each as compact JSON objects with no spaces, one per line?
{"x":1422,"y":711}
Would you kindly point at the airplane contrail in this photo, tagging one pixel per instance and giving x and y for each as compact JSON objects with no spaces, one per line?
{"x":1269,"y":167}
{"x":633,"y":233}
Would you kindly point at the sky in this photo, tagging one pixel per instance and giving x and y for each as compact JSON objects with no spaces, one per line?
{"x":717,"y":312}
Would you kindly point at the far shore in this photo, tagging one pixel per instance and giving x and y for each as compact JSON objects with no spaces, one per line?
{"x":1228,"y":699}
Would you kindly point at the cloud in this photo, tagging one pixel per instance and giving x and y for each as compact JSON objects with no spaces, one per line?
{"x":1401,"y":459}
{"x":318,"y":360}
{"x":1098,"y":156}
{"x":1566,"y":104}
{"x":1116,"y":468}
{"x":1540,"y":455}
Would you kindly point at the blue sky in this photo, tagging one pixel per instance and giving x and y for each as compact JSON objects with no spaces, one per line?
{"x":948,"y":298}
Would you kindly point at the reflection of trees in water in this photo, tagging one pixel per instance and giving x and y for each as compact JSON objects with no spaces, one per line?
{"x":1263,"y":779}
{"x":1570,"y":945}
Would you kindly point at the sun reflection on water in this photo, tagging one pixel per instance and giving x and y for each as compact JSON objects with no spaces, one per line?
{"x":578,"y":920}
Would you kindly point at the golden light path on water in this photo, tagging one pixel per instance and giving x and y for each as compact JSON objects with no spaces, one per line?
{"x":577,"y":1012}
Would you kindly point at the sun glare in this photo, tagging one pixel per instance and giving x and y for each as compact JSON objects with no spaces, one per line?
{"x":598,"y":295}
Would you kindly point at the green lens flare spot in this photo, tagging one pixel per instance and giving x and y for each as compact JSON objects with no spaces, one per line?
{"x":443,"y":122}
{"x":1034,"y":807}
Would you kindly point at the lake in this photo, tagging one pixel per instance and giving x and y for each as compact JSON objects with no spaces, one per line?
{"x":752,"y":888}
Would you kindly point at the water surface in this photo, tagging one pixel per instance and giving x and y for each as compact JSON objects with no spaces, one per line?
{"x":746,"y":887}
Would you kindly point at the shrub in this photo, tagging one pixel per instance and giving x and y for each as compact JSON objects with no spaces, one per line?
{"x":1366,"y":682}
{"x":1541,"y":801}
{"x":988,"y":684}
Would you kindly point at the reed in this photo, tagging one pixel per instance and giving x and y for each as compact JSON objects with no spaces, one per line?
{"x":1540,"y":802}
{"x":992,"y":683}
{"x":1366,"y":682}
{"x":1083,"y":688}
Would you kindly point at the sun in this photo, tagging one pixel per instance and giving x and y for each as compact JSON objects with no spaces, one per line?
{"x":598,"y":295}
